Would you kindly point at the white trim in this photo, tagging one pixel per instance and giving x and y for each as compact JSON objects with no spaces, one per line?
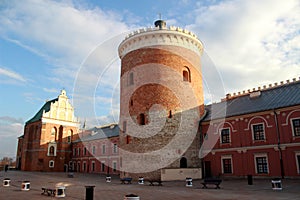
{"x":287,"y":117}
{"x":231,"y":163}
{"x":60,"y":122}
{"x":270,"y":146}
{"x":260,"y":117}
{"x":52,"y":144}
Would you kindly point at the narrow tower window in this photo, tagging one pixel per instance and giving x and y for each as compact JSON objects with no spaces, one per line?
{"x":142,"y":119}
{"x":130,"y":79}
{"x":186,"y":75}
{"x":170,"y":114}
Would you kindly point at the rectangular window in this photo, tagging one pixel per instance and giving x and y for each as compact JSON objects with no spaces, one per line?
{"x":78,"y":151}
{"x":227,"y":167}
{"x":261,"y":165}
{"x":84,"y":167}
{"x":94,"y":150}
{"x":93,"y":166}
{"x":124,"y":126}
{"x":69,"y":139}
{"x":84,"y":151}
{"x":258,"y":132}
{"x":225,"y":135}
{"x":103,"y":149}
{"x":298,"y":162}
{"x":296,"y":127}
{"x":102,"y":167}
{"x":115,"y":148}
{"x":130,"y":79}
{"x":74,"y":152}
{"x":114,"y":166}
{"x":128,"y":139}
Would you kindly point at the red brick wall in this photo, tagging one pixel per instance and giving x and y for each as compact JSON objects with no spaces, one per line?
{"x":243,"y":148}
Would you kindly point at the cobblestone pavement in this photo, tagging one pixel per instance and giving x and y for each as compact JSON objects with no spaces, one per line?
{"x":175,"y":190}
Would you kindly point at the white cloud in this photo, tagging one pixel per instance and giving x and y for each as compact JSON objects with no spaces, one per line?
{"x":11,"y":75}
{"x":10,"y":129}
{"x":251,"y":42}
{"x":60,"y":32}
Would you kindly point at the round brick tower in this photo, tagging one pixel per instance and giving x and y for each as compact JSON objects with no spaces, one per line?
{"x":161,"y":100}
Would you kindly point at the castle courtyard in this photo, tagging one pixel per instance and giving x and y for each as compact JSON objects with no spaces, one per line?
{"x":175,"y":190}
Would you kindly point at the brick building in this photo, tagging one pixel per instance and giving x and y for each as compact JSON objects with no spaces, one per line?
{"x":97,"y":151}
{"x":160,"y":66}
{"x":259,"y":134}
{"x":47,"y":139}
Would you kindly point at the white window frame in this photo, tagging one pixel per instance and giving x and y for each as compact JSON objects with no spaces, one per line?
{"x":255,"y":163}
{"x":220,"y":132}
{"x":252,"y":130}
{"x":51,"y":163}
{"x":49,"y":146}
{"x":292,"y":126}
{"x":226,"y":157}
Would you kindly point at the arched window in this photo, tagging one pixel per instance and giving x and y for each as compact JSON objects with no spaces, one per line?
{"x":183,"y":162}
{"x":69,"y":138}
{"x":142,"y":119}
{"x":51,"y":151}
{"x":53,"y":131}
{"x":131,"y":80}
{"x":186,"y":74}
{"x":170,"y":114}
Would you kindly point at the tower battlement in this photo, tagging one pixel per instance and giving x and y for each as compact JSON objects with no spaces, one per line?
{"x":160,"y":35}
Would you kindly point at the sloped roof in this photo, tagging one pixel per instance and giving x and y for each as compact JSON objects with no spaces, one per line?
{"x":39,"y":114}
{"x":103,"y":132}
{"x":269,"y":99}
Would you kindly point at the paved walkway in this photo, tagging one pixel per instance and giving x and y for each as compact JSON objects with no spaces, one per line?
{"x":75,"y":188}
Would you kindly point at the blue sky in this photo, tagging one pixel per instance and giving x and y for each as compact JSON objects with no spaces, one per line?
{"x":46,"y":46}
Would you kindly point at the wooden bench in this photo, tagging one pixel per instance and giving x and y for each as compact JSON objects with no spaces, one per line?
{"x":152,"y":181}
{"x":48,"y":191}
{"x":126,"y":180}
{"x":211,"y":181}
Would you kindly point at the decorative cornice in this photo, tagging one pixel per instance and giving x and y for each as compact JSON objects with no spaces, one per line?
{"x":148,"y":37}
